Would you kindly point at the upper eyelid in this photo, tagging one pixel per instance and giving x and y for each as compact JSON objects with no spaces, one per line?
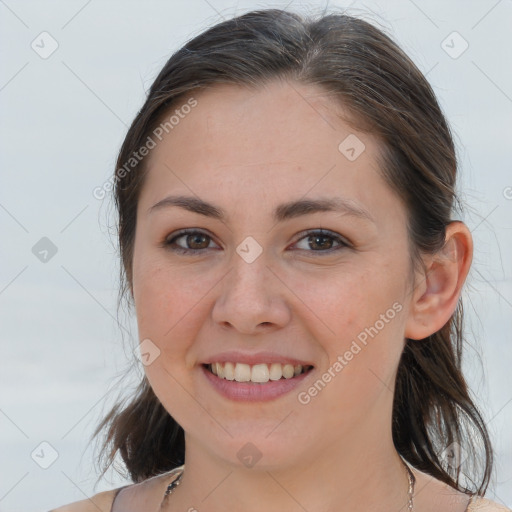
{"x":184,"y":232}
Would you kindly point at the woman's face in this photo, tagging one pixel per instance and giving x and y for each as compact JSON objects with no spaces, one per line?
{"x":262,"y":284}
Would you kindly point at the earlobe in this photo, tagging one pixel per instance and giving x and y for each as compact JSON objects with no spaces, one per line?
{"x":437,"y":291}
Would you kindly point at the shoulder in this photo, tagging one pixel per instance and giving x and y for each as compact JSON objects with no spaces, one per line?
{"x":100,"y":502}
{"x":146,"y":495}
{"x":436,"y":495}
{"x":485,"y":505}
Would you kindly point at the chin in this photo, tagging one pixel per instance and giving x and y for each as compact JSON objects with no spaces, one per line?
{"x":259,"y":452}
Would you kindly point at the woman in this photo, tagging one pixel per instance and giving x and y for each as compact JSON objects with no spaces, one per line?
{"x":285,"y":200}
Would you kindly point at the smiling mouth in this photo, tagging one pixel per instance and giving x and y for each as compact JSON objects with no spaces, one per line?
{"x":256,"y":373}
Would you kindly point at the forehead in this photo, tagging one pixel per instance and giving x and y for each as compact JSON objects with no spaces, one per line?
{"x":281,"y":140}
{"x":282,"y":115}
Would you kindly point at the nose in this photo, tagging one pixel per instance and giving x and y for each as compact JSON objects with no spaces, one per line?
{"x":251,"y":298}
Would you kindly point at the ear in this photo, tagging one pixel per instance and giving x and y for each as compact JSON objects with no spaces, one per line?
{"x":437,"y":290}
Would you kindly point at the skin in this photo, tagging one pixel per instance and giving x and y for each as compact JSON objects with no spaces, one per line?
{"x":247,"y":151}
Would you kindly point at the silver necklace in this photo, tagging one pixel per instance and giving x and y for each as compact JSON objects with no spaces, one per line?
{"x":410,"y":493}
{"x":173,"y":484}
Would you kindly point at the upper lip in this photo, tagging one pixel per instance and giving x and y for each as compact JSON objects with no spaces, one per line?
{"x":234,"y":356}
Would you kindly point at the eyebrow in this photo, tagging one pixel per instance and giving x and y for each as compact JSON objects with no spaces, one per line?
{"x":285,"y":211}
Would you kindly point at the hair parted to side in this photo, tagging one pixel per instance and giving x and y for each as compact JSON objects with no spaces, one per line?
{"x":363,"y":70}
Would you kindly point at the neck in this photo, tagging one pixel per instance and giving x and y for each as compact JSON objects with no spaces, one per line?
{"x":350,"y":477}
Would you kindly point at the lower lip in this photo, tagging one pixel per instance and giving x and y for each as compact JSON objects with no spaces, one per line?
{"x":253,"y":392}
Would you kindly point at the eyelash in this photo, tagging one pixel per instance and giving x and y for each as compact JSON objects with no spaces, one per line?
{"x":168,"y":243}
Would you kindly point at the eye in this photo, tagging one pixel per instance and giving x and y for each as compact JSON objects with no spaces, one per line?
{"x":321,"y":240}
{"x":194,"y":241}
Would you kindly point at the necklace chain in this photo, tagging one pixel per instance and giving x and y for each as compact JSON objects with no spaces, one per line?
{"x":410,"y":493}
{"x":173,"y":484}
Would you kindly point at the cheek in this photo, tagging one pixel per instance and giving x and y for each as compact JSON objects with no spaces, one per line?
{"x":362,"y":321}
{"x":167,"y":306}
{"x":171,"y":306}
{"x":346,"y":301}
{"x":362,"y":356}
{"x":162,"y":304}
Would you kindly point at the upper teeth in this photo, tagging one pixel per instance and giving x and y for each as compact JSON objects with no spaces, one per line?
{"x":256,"y":373}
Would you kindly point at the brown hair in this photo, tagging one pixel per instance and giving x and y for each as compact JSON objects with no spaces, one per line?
{"x":372,"y":78}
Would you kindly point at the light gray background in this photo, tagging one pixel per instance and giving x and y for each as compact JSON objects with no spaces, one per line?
{"x":63,"y":119}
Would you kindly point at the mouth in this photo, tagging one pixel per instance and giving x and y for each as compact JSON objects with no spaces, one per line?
{"x":257,"y":373}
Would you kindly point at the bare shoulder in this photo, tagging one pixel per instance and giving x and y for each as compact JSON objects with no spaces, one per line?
{"x":485,"y":505}
{"x":100,"y":502}
{"x":436,"y":496}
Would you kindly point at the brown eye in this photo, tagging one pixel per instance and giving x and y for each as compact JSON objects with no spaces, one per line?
{"x":194,"y":242}
{"x":191,"y":241}
{"x":323,"y":241}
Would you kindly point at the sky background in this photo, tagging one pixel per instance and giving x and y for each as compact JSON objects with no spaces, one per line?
{"x":63,"y":118}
